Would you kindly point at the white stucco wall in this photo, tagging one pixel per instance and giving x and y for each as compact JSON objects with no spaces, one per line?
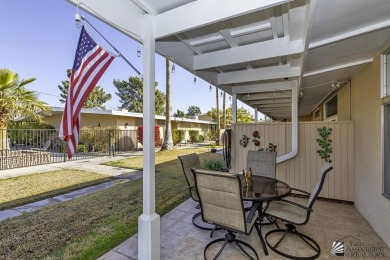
{"x":366,"y":112}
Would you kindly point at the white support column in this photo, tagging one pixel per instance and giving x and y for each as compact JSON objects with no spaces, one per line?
{"x":256,"y":116}
{"x":234,"y":108}
{"x":149,"y":221}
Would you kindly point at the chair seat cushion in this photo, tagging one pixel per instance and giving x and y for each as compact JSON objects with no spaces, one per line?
{"x":287,"y":212}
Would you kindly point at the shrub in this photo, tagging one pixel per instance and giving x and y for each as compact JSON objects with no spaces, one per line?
{"x":157,"y":137}
{"x":178,"y":136}
{"x":213,"y":165}
{"x":201,"y":138}
{"x":194,"y":136}
{"x":81,"y":148}
{"x":212,"y":135}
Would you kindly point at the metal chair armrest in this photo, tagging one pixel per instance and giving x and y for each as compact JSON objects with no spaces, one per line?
{"x":296,"y":204}
{"x":301,"y":191}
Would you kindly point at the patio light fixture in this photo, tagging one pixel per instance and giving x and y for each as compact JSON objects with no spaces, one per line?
{"x":210,"y":88}
{"x":301,"y":93}
{"x":77,"y":19}
{"x":194,"y":80}
{"x":173,"y":67}
{"x":230,"y":98}
{"x":221,"y":94}
{"x":138,"y":51}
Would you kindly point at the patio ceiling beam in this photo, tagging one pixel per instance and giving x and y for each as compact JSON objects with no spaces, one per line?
{"x":203,"y":12}
{"x":268,"y":73}
{"x":145,"y":6}
{"x":281,"y":110}
{"x":351,"y":34}
{"x":274,"y":105}
{"x":257,"y":51}
{"x":268,"y":96}
{"x":183,"y":55}
{"x":117,"y":16}
{"x":279,"y":101}
{"x":341,"y":66}
{"x":264,"y":87}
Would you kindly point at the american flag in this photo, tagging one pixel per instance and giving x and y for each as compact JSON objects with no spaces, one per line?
{"x":90,"y":62}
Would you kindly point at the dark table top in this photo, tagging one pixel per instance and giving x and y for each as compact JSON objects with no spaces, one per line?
{"x":265,"y":189}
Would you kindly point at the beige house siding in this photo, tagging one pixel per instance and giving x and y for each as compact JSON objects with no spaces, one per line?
{"x":344,"y":103}
{"x":302,"y":171}
{"x":187,"y":126}
{"x":366,"y":112}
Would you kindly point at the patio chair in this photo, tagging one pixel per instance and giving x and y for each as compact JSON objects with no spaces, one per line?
{"x":44,"y":147}
{"x":263,"y":163}
{"x":187,"y":162}
{"x":220,"y":197}
{"x":296,"y":214}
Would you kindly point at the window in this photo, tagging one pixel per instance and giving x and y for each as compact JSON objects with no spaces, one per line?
{"x":316,"y":115}
{"x":330,"y":109}
{"x":386,"y":150}
{"x":386,"y":74}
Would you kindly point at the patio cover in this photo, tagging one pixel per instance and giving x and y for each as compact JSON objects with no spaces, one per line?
{"x":261,"y":52}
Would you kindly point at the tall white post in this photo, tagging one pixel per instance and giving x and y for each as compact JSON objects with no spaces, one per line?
{"x":149,"y":221}
{"x":256,"y":116}
{"x":234,"y":108}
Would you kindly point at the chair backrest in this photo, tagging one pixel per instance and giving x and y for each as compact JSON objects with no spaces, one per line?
{"x":187,"y":162}
{"x":46,"y":145}
{"x":221,"y":199}
{"x":262,"y":163}
{"x":320,"y":182}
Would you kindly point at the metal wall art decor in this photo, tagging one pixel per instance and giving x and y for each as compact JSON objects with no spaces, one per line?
{"x":244,"y":140}
{"x":271,"y":147}
{"x":256,"y":137}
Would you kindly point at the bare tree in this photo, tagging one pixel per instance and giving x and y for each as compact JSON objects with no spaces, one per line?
{"x":168,"y":143}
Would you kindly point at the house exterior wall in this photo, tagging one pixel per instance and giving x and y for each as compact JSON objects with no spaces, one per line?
{"x":86,"y":120}
{"x":366,"y":112}
{"x":187,"y":126}
{"x":130,"y":121}
{"x":303,"y":170}
{"x":344,"y":103}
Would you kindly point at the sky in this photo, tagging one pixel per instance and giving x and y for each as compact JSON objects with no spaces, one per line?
{"x":39,"y":39}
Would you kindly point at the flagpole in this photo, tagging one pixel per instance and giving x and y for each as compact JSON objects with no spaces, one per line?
{"x":112,"y":46}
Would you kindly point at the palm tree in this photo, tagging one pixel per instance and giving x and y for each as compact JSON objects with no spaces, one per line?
{"x":168,"y":143}
{"x":224,"y":111}
{"x":218,"y":119}
{"x":16,"y":102}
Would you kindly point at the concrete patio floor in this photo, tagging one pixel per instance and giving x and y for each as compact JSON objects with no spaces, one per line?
{"x":329,"y":222}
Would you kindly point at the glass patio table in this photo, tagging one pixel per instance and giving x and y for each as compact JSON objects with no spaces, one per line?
{"x":263,"y":189}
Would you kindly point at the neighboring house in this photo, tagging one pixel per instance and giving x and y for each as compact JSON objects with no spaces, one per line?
{"x":128,"y":120}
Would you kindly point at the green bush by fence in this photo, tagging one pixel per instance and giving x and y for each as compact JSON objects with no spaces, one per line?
{"x":194,"y":136}
{"x":178,"y":136}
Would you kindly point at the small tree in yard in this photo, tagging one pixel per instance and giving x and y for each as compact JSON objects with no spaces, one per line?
{"x":194,"y":136}
{"x":157,"y":136}
{"x":178,"y":136}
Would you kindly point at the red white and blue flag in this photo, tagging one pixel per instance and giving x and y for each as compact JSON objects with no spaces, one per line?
{"x":90,"y":62}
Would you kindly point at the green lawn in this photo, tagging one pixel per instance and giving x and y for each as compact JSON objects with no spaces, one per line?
{"x":89,"y":226}
{"x":26,"y":189}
